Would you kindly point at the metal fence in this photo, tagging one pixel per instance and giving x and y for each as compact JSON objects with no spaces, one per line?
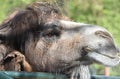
{"x":39,"y":75}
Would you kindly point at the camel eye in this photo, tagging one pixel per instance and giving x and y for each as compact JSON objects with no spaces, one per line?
{"x":49,"y":35}
{"x":52,"y":30}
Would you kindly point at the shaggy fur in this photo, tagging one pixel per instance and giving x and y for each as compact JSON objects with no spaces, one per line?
{"x":40,"y":38}
{"x":22,"y":30}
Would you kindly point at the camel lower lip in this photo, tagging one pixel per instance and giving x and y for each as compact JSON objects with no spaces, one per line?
{"x":107,"y":56}
{"x":105,"y":60}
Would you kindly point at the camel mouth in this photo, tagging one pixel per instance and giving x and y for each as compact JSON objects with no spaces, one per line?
{"x":106,"y":60}
{"x":109,"y":56}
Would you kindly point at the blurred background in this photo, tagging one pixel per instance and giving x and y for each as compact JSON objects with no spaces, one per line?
{"x":104,"y":13}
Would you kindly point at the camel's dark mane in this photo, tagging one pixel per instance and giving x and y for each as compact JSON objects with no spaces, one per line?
{"x":27,"y":22}
{"x":22,"y":21}
{"x":30,"y":18}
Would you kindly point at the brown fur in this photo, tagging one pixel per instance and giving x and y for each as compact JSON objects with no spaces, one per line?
{"x":25,"y":24}
{"x":40,"y":38}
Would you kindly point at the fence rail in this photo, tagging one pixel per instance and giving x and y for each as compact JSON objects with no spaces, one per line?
{"x":36,"y":75}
